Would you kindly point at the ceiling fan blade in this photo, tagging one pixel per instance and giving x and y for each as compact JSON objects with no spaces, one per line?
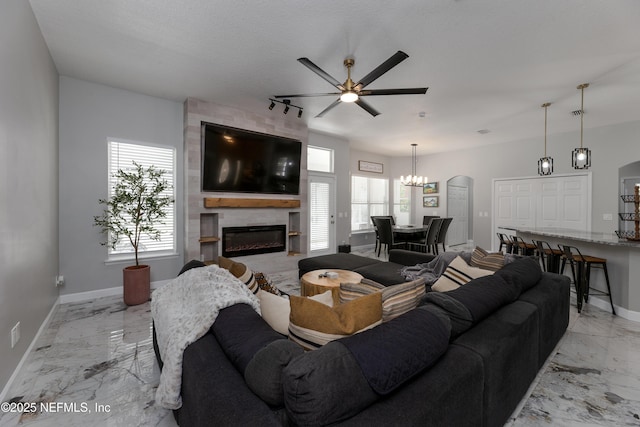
{"x":319,"y":71}
{"x":395,"y":59}
{"x":300,"y":95}
{"x":368,"y":108}
{"x":323,"y":112}
{"x":411,"y":91}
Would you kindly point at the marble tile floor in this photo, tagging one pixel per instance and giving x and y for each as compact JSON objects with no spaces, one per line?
{"x":94,"y":366}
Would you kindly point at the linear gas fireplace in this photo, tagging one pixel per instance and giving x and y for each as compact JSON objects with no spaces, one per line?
{"x":239,"y":241}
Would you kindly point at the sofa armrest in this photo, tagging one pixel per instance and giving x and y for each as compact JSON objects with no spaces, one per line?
{"x":405,"y":257}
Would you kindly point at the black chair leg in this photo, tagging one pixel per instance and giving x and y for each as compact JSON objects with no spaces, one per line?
{"x":606,"y":276}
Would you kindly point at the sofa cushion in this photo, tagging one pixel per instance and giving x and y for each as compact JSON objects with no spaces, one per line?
{"x":459,"y":315}
{"x":325,"y":386}
{"x":394,"y":352}
{"x":396,"y":299}
{"x":264,"y":371}
{"x":458,"y":273}
{"x":313,"y":324}
{"x":240,"y":271}
{"x":265,"y":284}
{"x":241,"y":333}
{"x":275,"y":309}
{"x":523,"y":273}
{"x":339,"y":261}
{"x":385,"y":273}
{"x":485,"y":260}
{"x":484,"y":295}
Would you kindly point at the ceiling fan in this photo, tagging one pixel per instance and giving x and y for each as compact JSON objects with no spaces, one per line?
{"x":353,"y":92}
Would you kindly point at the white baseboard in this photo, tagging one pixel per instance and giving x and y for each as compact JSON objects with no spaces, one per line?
{"x":107,"y":292}
{"x":13,"y":376}
{"x":603,"y":304}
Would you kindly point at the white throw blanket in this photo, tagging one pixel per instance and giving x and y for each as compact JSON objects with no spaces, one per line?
{"x":183,"y":311}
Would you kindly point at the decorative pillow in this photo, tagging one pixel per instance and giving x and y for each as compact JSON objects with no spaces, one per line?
{"x":240,"y":271}
{"x":276,"y":309}
{"x":313,"y":324}
{"x":457,"y":274}
{"x":265,"y":284}
{"x":396,"y":299}
{"x":485,"y":260}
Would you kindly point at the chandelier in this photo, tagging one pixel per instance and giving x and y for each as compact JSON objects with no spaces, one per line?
{"x":413,"y":180}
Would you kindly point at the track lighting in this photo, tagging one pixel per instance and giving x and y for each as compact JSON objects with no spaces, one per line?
{"x":287,"y":104}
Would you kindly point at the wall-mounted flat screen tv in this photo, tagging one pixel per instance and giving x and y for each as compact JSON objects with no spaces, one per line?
{"x":242,"y":161}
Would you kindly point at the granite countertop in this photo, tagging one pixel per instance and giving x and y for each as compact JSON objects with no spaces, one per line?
{"x":581,"y":235}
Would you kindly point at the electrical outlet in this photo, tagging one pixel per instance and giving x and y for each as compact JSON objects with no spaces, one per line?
{"x":15,"y":335}
{"x":607,"y":217}
{"x":59,"y":281}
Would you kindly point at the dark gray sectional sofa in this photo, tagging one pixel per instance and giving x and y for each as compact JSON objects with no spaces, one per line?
{"x":463,"y":358}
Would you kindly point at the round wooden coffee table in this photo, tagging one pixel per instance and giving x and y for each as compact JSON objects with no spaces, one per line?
{"x":312,"y":283}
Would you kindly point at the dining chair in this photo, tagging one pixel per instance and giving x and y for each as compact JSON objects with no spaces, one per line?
{"x":442,"y":233}
{"x":522,"y":247}
{"x":428,"y":244}
{"x":385,"y":233}
{"x":426,"y":220}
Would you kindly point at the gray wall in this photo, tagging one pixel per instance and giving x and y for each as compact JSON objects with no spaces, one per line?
{"x":89,"y":114}
{"x":611,"y":146}
{"x":28,"y":180}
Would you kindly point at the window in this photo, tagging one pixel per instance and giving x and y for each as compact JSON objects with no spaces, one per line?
{"x":121,"y":156}
{"x":319,"y":159}
{"x":401,"y":202}
{"x":369,"y":197}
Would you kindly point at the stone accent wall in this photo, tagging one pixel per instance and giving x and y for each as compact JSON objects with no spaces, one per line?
{"x":197,"y":111}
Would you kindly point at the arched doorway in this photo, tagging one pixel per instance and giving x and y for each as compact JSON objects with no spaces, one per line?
{"x":460,"y":208}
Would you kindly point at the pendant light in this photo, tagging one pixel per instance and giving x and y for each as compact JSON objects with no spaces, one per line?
{"x":413,"y":180}
{"x":581,"y":157}
{"x":545,"y":164}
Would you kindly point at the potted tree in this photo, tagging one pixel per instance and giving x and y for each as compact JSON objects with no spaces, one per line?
{"x":135,"y":208}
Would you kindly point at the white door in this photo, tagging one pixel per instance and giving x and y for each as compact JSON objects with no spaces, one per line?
{"x":458,"y":209}
{"x":322,"y":223}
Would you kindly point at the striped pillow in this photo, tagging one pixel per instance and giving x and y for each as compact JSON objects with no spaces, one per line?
{"x":396,"y":299}
{"x":457,"y":274}
{"x":240,"y":271}
{"x":312,"y":324}
{"x":487,"y":261}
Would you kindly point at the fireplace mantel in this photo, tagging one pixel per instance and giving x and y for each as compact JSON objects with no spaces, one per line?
{"x":224,"y":202}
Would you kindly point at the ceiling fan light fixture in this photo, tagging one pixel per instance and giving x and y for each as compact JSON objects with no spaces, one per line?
{"x":349,"y":96}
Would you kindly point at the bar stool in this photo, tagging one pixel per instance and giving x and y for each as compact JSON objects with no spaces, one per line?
{"x":549,"y":257}
{"x":583,"y":265}
{"x":506,"y":242}
{"x":522,"y":247}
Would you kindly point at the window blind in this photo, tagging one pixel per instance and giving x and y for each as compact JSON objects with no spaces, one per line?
{"x":121,"y":156}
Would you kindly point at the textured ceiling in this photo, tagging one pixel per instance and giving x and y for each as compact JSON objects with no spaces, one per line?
{"x":489,"y":64}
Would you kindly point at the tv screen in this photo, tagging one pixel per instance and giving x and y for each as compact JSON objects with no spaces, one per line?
{"x":241,"y":161}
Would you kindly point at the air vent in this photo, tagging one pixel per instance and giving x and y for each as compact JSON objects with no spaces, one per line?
{"x":577,"y":113}
{"x":483,"y":131}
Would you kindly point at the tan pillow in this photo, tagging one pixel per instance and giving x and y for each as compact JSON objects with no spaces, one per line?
{"x":240,"y":271}
{"x":457,"y":274}
{"x":276,"y":309}
{"x":485,"y":260}
{"x":313,"y":324}
{"x":396,"y":299}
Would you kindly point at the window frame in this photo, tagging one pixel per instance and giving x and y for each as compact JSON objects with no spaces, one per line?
{"x":170,"y":250}
{"x":368,"y":203}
